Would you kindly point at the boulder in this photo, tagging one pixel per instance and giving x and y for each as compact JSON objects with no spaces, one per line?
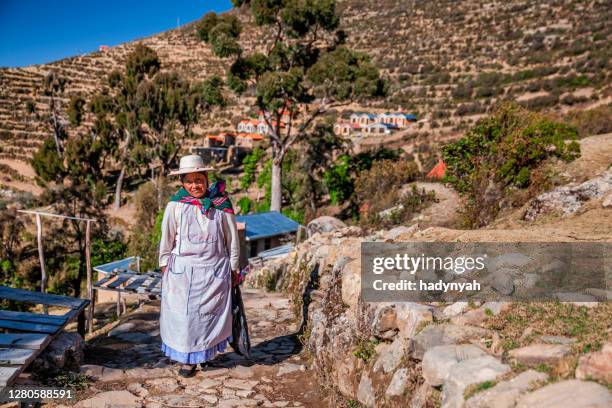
{"x":506,"y":393}
{"x":466,"y":373}
{"x":365,"y":391}
{"x":441,"y":334}
{"x":536,"y":354}
{"x":438,"y":360}
{"x":65,"y":352}
{"x":597,"y":365}
{"x":576,"y":393}
{"x":569,"y":199}
{"x":324,"y":224}
{"x":398,"y":383}
{"x":391,"y":357}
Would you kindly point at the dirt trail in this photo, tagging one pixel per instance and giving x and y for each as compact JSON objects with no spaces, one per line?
{"x":129,"y":358}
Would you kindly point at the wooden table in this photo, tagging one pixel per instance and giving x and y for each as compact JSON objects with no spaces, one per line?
{"x":30,"y":332}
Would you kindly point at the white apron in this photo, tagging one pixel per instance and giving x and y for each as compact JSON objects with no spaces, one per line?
{"x":196,"y":303}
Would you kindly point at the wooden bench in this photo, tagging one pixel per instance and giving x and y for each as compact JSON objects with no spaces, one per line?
{"x":30,"y":332}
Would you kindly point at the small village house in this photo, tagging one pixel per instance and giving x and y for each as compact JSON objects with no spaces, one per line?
{"x":362,"y":119}
{"x":265,"y":230}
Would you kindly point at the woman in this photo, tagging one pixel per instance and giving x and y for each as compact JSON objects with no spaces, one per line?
{"x":198,"y":257}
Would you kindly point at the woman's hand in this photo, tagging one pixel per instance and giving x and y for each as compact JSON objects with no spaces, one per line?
{"x":163,"y":269}
{"x":235,"y":278}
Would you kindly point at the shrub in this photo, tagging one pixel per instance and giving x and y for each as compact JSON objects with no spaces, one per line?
{"x":499,"y":153}
{"x":593,"y":121}
{"x":245,"y":204}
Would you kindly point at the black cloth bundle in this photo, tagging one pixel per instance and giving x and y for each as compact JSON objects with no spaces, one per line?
{"x":240,"y":331}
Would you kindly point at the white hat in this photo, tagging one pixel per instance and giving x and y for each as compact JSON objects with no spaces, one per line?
{"x":191,"y":164}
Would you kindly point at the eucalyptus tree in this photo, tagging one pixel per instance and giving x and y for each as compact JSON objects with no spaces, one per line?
{"x":170,"y":105}
{"x":304,"y":70}
{"x":142,"y":63}
{"x":53,"y":86}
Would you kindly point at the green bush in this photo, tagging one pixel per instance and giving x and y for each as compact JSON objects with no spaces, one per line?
{"x":500,"y":152}
{"x":250,"y":167}
{"x":245,"y":204}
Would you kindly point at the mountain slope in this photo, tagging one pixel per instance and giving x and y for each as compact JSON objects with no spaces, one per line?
{"x":448,"y":61}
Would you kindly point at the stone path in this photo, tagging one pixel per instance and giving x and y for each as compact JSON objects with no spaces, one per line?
{"x":129,"y":369}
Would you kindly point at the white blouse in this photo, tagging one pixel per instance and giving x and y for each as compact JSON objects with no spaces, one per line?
{"x":170,"y":230}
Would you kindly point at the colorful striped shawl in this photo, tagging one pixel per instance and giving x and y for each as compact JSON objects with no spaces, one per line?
{"x":215,"y":196}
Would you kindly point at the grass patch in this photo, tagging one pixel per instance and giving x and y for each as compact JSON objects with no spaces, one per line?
{"x":365,"y":349}
{"x":70,"y":379}
{"x":476,"y":388}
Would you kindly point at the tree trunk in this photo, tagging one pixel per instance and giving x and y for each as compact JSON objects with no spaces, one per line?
{"x":118,"y":188}
{"x":56,"y":128}
{"x":275,"y":201}
{"x":159,"y":183}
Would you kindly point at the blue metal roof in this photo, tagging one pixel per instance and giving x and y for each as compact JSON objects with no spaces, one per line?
{"x":277,"y":251}
{"x":410,"y":116}
{"x":267,"y":224}
{"x":122,"y":265}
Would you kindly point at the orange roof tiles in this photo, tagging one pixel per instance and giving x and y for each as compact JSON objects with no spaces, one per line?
{"x":438,"y":171}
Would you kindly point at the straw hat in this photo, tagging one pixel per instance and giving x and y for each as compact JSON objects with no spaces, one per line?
{"x":191,"y":164}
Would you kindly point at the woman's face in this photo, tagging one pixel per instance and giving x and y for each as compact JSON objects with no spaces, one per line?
{"x":195,"y":184}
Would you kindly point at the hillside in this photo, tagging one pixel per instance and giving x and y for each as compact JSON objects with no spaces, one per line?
{"x":447,"y":61}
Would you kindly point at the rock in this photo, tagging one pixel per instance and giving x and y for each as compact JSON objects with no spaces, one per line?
{"x":569,"y":199}
{"x":401,"y":230}
{"x":477,"y":316}
{"x":147,"y":373}
{"x":122,"y":328}
{"x":119,"y":399}
{"x":502,"y":282}
{"x":208,"y":383}
{"x":183,"y":401}
{"x":138,"y":390}
{"x":441,"y":334}
{"x":438,"y":360}
{"x":557,"y":340}
{"x":65,"y":352}
{"x":506,"y":393}
{"x":287,"y":368}
{"x":607,"y":201}
{"x":412,"y":316}
{"x":421,"y":396}
{"x":324,"y":224}
{"x":596,"y":365}
{"x":455,"y":309}
{"x":365,"y":392}
{"x":164,"y":385}
{"x":536,"y":354}
{"x":398,"y":383}
{"x":385,"y":323}
{"x":468,"y":372}
{"x":507,"y":262}
{"x":391,"y":357}
{"x":582,"y":394}
{"x":240,"y":384}
{"x":472,"y":318}
{"x":101,"y":373}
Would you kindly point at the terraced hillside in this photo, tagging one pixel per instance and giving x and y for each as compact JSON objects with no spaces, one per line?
{"x":448,"y":61}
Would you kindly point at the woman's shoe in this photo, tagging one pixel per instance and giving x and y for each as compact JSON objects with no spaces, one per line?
{"x":187,"y":372}
{"x":204,"y":365}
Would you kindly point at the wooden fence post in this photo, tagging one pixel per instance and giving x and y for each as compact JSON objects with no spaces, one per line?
{"x":90,"y":291}
{"x":41,"y":257}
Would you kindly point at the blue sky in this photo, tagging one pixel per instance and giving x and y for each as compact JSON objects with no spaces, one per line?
{"x":41,"y":31}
